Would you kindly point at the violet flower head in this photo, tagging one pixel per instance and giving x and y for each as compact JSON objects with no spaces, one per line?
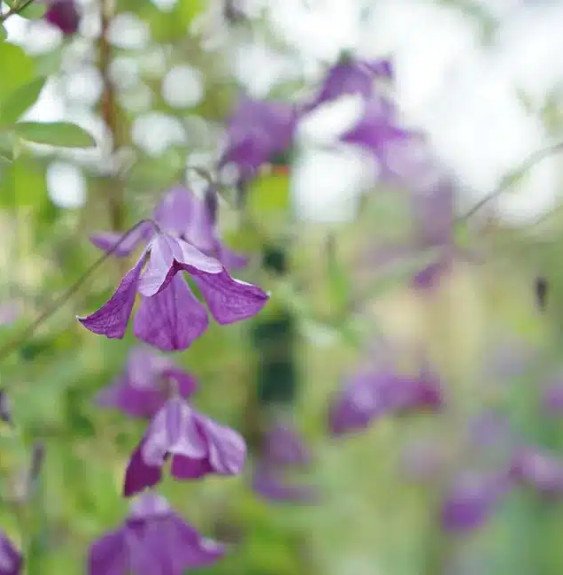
{"x":170,"y":317}
{"x":196,"y":445}
{"x":153,"y":539}
{"x":472,"y":500}
{"x":372,"y":393}
{"x":258,"y":130}
{"x":64,"y":15}
{"x":349,"y":77}
{"x":10,"y":559}
{"x":284,"y":447}
{"x":538,"y":469}
{"x":148,"y":379}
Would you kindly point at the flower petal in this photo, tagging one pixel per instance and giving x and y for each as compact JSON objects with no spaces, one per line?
{"x":107,"y":240}
{"x":229,"y":299}
{"x":139,"y":475}
{"x":108,"y":555}
{"x":171,"y":319}
{"x":227,"y":449}
{"x":112,"y":318}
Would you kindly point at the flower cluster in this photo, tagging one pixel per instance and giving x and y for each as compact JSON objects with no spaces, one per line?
{"x":10,"y":559}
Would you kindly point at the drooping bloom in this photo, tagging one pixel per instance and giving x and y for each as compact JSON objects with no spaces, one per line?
{"x":153,"y":540}
{"x":10,"y":558}
{"x":170,"y":317}
{"x":373,"y":392}
{"x":147,"y":381}
{"x":257,"y":131}
{"x":538,"y":469}
{"x":64,"y":15}
{"x":283,"y":452}
{"x":351,"y":76}
{"x":181,"y":214}
{"x":196,"y":445}
{"x":472,"y":499}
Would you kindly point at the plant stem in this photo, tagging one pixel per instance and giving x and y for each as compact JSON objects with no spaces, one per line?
{"x":16,"y":9}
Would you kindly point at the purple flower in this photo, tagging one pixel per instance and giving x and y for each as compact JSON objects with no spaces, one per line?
{"x":170,"y":317}
{"x":377,"y":130}
{"x":257,"y":131}
{"x":283,"y":447}
{"x":64,"y":15}
{"x":10,"y":559}
{"x":374,"y":392}
{"x":471,"y":500}
{"x":153,"y":540}
{"x":147,"y":381}
{"x":538,"y":469}
{"x":271,"y":484}
{"x":183,"y":215}
{"x":351,"y":76}
{"x":196,"y":444}
{"x":553,"y":398}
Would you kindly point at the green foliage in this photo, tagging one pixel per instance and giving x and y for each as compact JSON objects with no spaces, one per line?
{"x":62,"y":134}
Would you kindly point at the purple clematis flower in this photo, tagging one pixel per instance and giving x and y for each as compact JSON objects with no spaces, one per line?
{"x":472,"y":500}
{"x":170,"y":317}
{"x":196,"y":445}
{"x":64,"y":15}
{"x":538,"y":469}
{"x":371,"y":393}
{"x":351,"y":76}
{"x":147,"y":381}
{"x":183,"y":215}
{"x":258,"y":130}
{"x":283,"y":450}
{"x":152,"y":540}
{"x":10,"y":559}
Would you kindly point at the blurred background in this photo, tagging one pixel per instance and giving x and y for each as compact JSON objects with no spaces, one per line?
{"x":433,"y":259}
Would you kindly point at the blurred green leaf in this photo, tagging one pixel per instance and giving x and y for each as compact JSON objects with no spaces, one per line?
{"x":14,"y":105}
{"x":63,"y":134}
{"x":22,"y":184}
{"x":16,"y":68}
{"x":34,"y":11}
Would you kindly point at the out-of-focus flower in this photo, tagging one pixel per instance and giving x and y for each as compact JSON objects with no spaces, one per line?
{"x":196,"y":444}
{"x":553,"y":398}
{"x":64,"y":15}
{"x":142,"y":389}
{"x":283,"y":450}
{"x":257,"y":131}
{"x":5,"y":407}
{"x":472,"y":500}
{"x":153,"y":539}
{"x":538,"y":469}
{"x":181,"y":214}
{"x":10,"y":558}
{"x":170,"y":317}
{"x":351,"y":76}
{"x":372,"y":393}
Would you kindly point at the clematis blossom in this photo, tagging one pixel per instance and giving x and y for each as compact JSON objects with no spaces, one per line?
{"x":351,"y":76}
{"x":374,"y":392}
{"x":196,"y":445}
{"x":142,"y":389}
{"x":10,"y":558}
{"x":170,"y":317}
{"x":153,"y":539}
{"x":257,"y":131}
{"x":283,"y":451}
{"x":64,"y":15}
{"x":181,"y":214}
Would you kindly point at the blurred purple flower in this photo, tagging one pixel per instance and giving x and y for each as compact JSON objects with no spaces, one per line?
{"x":5,"y":407}
{"x":351,"y":76}
{"x":64,"y":15}
{"x":196,"y":444}
{"x":183,"y":215}
{"x":257,"y":131}
{"x":10,"y":558}
{"x":472,"y":500}
{"x":147,"y":381}
{"x":372,"y":393}
{"x":538,"y":469}
{"x":553,"y":398}
{"x":170,"y":317}
{"x":282,"y":450}
{"x":153,"y":539}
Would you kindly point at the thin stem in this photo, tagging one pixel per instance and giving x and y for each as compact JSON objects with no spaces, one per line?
{"x":507,"y":182}
{"x":16,"y":9}
{"x":11,"y":346}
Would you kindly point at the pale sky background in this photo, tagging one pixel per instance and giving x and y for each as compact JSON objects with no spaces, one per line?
{"x":466,"y":93}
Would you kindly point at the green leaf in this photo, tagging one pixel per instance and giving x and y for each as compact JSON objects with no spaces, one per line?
{"x":34,"y":11}
{"x":6,"y":145}
{"x":16,"y":68}
{"x":63,"y":134}
{"x":13,"y":106}
{"x":23,"y":184}
{"x":3,"y":33}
